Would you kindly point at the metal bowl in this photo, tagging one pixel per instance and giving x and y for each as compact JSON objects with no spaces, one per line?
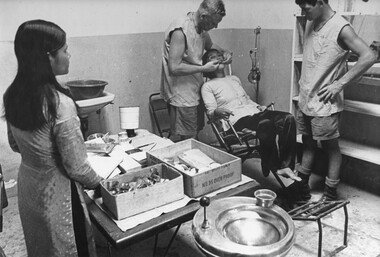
{"x":240,"y":227}
{"x":86,"y":89}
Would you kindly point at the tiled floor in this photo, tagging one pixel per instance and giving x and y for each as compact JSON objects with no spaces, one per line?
{"x":363,"y":228}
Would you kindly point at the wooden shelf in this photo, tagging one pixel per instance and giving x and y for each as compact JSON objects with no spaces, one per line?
{"x":298,"y":14}
{"x":375,"y":69}
{"x":356,"y":150}
{"x":360,"y":151}
{"x":362,"y":107}
{"x":371,"y":81}
{"x":298,"y":57}
{"x":357,"y":106}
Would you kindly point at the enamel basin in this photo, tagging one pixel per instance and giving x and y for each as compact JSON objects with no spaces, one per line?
{"x":85,"y":107}
{"x":237,"y":226}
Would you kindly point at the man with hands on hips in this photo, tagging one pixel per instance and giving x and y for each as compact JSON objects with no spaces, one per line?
{"x":328,"y":38}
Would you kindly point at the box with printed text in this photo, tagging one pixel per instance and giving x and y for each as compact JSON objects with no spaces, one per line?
{"x":142,"y":189}
{"x":227,"y":171}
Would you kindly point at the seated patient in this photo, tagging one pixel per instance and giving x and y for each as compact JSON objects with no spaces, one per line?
{"x":224,"y":97}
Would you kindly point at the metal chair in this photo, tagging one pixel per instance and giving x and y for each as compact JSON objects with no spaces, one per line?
{"x":243,"y":144}
{"x":160,"y":112}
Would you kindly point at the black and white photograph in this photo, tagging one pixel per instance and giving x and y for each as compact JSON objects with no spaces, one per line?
{"x":186,"y":128}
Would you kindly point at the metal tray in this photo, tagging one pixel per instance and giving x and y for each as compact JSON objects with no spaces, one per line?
{"x":100,"y":148}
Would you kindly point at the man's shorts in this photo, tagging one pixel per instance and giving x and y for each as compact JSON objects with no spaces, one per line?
{"x":186,"y":121}
{"x":320,"y":128}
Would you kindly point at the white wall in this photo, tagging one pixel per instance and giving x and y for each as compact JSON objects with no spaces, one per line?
{"x":108,"y":17}
{"x":139,"y":18}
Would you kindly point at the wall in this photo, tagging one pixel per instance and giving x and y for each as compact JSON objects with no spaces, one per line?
{"x":120,"y":41}
{"x":100,"y":17}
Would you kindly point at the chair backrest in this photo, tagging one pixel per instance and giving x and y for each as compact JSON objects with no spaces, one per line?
{"x":160,"y":112}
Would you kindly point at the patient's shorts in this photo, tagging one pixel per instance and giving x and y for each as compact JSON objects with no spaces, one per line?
{"x":320,"y":128}
{"x":186,"y":121}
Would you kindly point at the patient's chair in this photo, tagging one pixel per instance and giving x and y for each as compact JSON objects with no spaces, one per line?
{"x":243,"y":144}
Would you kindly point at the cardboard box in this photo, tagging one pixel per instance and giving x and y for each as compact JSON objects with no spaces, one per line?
{"x":127,"y":204}
{"x":205,"y":182}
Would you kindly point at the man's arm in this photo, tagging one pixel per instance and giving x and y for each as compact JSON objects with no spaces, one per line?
{"x":177,"y":50}
{"x":366,"y":58}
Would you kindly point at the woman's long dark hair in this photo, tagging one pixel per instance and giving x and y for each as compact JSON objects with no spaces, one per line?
{"x":31,"y":100}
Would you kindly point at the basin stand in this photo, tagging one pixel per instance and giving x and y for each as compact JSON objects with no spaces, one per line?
{"x":84,"y":126}
{"x":314,"y":211}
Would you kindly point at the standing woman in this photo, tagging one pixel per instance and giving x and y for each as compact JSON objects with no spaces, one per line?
{"x":44,"y":128}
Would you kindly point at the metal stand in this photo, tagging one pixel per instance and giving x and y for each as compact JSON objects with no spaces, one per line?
{"x":109,"y":248}
{"x":314,"y":211}
{"x":255,"y":74}
{"x":84,"y":126}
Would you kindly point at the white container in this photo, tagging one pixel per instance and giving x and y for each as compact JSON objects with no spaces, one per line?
{"x":129,"y":117}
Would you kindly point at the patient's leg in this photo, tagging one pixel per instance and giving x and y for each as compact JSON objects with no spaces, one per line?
{"x":268,"y":147}
{"x":285,"y":127}
{"x":286,"y":130}
{"x":265,"y":131}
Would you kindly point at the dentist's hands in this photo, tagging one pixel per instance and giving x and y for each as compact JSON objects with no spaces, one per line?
{"x":211,"y":66}
{"x":227,"y":57}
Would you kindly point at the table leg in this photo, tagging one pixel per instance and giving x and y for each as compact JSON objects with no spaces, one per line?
{"x":155,"y":245}
{"x":109,"y":247}
{"x":171,"y":240}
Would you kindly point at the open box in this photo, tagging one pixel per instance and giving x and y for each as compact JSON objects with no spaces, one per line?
{"x":127,"y":204}
{"x":227,"y":173}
